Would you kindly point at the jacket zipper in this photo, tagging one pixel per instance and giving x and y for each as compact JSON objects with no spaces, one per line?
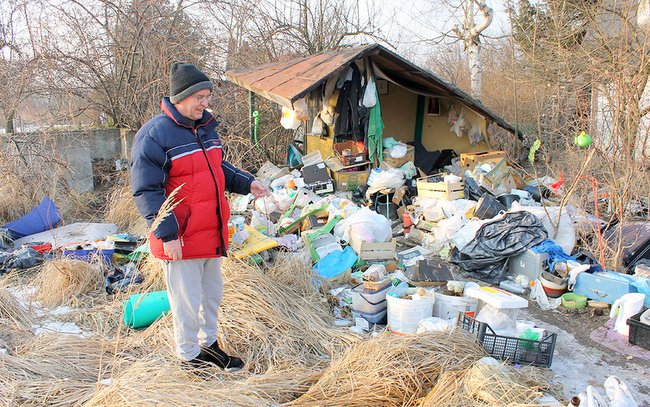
{"x":216,"y":187}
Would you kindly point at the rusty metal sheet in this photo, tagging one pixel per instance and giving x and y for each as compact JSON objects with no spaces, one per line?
{"x":287,"y":81}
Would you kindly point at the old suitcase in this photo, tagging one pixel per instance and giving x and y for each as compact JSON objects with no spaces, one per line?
{"x":634,"y":238}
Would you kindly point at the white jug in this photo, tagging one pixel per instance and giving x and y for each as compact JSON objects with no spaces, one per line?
{"x":627,"y":306}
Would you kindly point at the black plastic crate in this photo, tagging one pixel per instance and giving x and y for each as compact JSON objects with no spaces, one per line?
{"x":514,"y":350}
{"x":639,"y":332}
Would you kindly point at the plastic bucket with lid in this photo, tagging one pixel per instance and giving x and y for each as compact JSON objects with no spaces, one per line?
{"x":142,"y":310}
{"x":404,"y":314}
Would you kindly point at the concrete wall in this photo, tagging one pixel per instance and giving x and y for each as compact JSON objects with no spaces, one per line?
{"x":74,"y":151}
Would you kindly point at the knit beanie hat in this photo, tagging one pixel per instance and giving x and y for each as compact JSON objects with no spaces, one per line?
{"x":186,"y":79}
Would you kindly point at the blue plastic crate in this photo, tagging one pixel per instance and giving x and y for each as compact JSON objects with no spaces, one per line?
{"x":105,"y":255}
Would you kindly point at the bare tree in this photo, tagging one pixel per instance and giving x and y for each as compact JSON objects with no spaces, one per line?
{"x":469,"y":32}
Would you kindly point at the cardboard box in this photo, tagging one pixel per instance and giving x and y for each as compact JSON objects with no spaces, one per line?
{"x":440,"y":189}
{"x":350,"y":152}
{"x":469,"y":160}
{"x":398,"y":162}
{"x":348,"y":178}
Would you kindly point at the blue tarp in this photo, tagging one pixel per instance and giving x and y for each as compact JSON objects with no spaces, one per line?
{"x":44,"y":217}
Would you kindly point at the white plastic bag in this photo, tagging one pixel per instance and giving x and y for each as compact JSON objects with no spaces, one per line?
{"x":370,"y":95}
{"x":365,"y":224}
{"x":262,"y":224}
{"x":301,"y":109}
{"x":399,"y":150}
{"x":392,"y":178}
{"x":459,"y":125}
{"x":475,"y":135}
{"x":289,"y":119}
{"x":266,"y":205}
{"x":538,"y":294}
{"x":618,"y":393}
{"x":433,"y":324}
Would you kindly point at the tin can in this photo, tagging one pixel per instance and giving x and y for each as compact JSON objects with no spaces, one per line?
{"x":231,"y":230}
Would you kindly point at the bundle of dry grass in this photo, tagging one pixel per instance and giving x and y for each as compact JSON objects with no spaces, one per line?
{"x":97,"y":313}
{"x":486,"y":384}
{"x":12,"y":310}
{"x":57,"y":369}
{"x":152,"y":271}
{"x":292,"y":269}
{"x":153,"y":382}
{"x":391,"y":370}
{"x":62,"y":281}
{"x":121,"y":210}
{"x":270,"y":323}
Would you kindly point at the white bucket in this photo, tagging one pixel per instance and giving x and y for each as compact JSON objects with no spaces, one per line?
{"x":627,"y":306}
{"x":405,"y":314}
{"x":447,"y":307}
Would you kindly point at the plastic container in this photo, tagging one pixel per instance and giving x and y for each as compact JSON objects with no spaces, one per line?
{"x":405,"y":314}
{"x":369,"y":302}
{"x":448,"y":307}
{"x":515,"y":350}
{"x":639,"y":332}
{"x":140,"y":313}
{"x":368,"y":321}
{"x":385,"y":206}
{"x":627,"y":306}
{"x":507,"y":200}
{"x":571,"y":300}
{"x":488,"y":207}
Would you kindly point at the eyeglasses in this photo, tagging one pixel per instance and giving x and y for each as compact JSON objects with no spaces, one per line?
{"x":201,"y":99}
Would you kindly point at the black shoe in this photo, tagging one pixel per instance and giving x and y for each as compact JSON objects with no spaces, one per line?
{"x":200,"y":364}
{"x":221,"y":359}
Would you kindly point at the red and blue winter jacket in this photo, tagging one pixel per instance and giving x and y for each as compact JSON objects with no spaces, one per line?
{"x":172,"y":150}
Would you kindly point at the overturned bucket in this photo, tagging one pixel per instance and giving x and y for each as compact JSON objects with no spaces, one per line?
{"x":488,"y":207}
{"x":142,"y":310}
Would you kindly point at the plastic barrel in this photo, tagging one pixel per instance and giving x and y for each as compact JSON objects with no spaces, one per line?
{"x":140,"y":313}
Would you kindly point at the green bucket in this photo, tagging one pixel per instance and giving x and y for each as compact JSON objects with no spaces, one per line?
{"x":571,"y":300}
{"x":142,"y":310}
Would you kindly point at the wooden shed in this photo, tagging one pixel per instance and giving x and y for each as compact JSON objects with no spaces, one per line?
{"x":417,"y":106}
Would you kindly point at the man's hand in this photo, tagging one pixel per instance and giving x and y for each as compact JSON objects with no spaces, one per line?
{"x":258,"y":189}
{"x":173,"y":249}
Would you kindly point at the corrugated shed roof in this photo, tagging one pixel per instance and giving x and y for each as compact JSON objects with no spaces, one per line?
{"x":285,"y":82}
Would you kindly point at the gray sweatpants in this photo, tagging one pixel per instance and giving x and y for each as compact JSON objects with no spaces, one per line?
{"x":195,"y":289}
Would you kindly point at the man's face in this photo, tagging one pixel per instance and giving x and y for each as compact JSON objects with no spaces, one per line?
{"x":193,"y":106}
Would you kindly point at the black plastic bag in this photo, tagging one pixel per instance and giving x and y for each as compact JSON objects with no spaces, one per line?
{"x":486,"y":256}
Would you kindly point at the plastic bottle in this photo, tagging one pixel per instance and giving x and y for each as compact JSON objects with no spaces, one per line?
{"x":513,"y":287}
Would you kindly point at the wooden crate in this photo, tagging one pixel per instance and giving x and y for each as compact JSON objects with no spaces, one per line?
{"x":372,"y":250}
{"x":448,"y":190}
{"x":469,"y":160}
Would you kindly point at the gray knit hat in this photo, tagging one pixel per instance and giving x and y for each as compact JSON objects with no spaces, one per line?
{"x":186,"y":79}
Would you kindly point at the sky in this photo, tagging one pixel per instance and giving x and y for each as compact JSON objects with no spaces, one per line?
{"x":410,"y":25}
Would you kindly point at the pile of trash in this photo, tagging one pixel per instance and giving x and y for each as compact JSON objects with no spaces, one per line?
{"x":468,"y":243}
{"x":465,"y":245}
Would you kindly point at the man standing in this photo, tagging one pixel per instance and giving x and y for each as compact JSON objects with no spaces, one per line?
{"x":181,"y":147}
